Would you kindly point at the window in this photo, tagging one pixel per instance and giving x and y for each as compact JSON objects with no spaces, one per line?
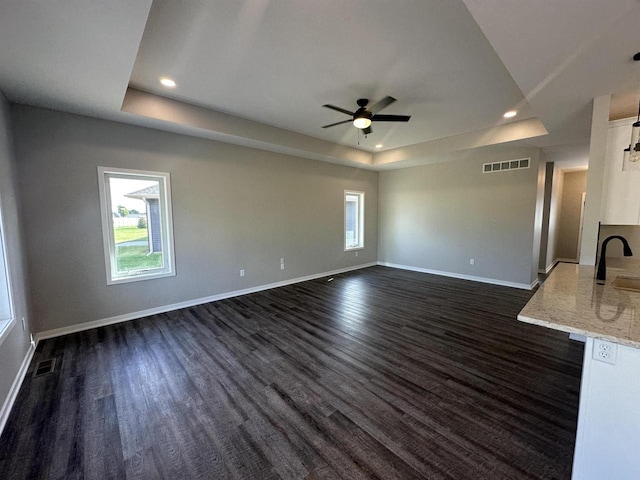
{"x":136,"y":224}
{"x":6,"y":308}
{"x":353,"y":220}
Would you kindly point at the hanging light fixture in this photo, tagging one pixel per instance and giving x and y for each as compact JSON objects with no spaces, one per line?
{"x":631,"y":159}
{"x":362,"y":121}
{"x":631,"y":156}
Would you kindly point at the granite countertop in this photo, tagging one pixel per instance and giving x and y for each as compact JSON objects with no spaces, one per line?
{"x":571,"y":301}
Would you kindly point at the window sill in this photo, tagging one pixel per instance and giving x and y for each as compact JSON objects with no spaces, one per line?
{"x":350,"y":249}
{"x":139,"y":278}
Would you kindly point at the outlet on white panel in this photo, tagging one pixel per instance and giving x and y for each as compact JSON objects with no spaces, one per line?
{"x":605,"y":351}
{"x":356,"y":254}
{"x":282,"y":260}
{"x":282,"y":266}
{"x":242,"y":272}
{"x":472,"y":261}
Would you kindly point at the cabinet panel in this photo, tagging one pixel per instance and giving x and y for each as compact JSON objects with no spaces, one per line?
{"x":621,"y":190}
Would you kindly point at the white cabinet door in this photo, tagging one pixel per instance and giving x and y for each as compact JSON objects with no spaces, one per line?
{"x":608,"y":437}
{"x":621,"y":190}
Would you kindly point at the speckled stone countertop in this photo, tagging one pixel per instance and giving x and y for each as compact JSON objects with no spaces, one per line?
{"x":571,"y":301}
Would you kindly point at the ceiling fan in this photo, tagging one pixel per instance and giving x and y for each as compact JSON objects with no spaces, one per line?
{"x":363,"y":117}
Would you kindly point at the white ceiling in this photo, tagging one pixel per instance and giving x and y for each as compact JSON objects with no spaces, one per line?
{"x":562,"y":54}
{"x":278,"y":62}
{"x":455,"y":66}
{"x":69,"y":55}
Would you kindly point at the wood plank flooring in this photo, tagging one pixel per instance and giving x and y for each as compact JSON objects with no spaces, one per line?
{"x":379,"y":373}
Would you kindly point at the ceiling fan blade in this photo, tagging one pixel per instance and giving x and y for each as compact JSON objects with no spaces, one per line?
{"x":390,"y":118}
{"x":338,"y":109}
{"x":384,"y":103}
{"x":367,"y":131}
{"x":338,"y":123}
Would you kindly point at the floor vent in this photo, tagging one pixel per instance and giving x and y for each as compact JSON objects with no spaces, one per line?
{"x":44,"y":367}
{"x":502,"y":166}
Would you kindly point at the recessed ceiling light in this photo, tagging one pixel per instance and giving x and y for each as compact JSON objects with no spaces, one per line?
{"x":167,"y":82}
{"x":379,"y":145}
{"x":510,"y":114}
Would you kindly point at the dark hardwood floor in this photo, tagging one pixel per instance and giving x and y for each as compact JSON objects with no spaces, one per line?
{"x":380,"y":373}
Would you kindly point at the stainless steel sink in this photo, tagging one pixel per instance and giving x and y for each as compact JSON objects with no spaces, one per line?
{"x":630,"y":284}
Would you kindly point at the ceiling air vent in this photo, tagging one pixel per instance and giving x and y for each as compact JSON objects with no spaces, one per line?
{"x":509,"y":165}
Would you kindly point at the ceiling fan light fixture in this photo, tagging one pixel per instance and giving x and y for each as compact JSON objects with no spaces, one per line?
{"x":361,"y":122}
{"x":363,"y":117}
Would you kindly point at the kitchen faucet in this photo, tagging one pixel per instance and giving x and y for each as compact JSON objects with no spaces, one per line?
{"x":601,"y":276}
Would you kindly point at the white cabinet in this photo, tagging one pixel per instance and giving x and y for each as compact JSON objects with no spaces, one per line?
{"x":621,"y":190}
{"x":608,"y":438}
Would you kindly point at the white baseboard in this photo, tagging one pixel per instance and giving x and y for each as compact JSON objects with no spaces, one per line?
{"x":461,"y":276}
{"x":567,"y":260}
{"x":189,"y":303}
{"x":557,"y":261}
{"x":549,"y":267}
{"x":15,"y":387}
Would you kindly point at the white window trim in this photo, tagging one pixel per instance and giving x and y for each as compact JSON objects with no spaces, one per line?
{"x":360,"y":219}
{"x":6,"y":325}
{"x":107,"y":227}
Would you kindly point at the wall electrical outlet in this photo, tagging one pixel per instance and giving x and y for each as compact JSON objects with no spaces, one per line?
{"x":472,"y":261}
{"x":605,"y":351}
{"x":356,"y":254}
{"x":242,"y":272}
{"x":282,"y":263}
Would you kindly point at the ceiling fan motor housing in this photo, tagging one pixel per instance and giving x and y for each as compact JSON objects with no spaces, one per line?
{"x":362,"y":113}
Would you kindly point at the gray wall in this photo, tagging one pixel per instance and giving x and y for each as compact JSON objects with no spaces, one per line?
{"x":16,"y":344}
{"x":597,"y":159}
{"x":554,"y":215}
{"x":439,"y":216}
{"x":233,"y":208}
{"x":546,"y":216}
{"x":573,"y":186}
{"x":538,"y":223}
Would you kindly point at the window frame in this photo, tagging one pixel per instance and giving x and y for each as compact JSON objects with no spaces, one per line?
{"x":7,"y":324}
{"x":108,"y":238}
{"x":360,"y":225}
